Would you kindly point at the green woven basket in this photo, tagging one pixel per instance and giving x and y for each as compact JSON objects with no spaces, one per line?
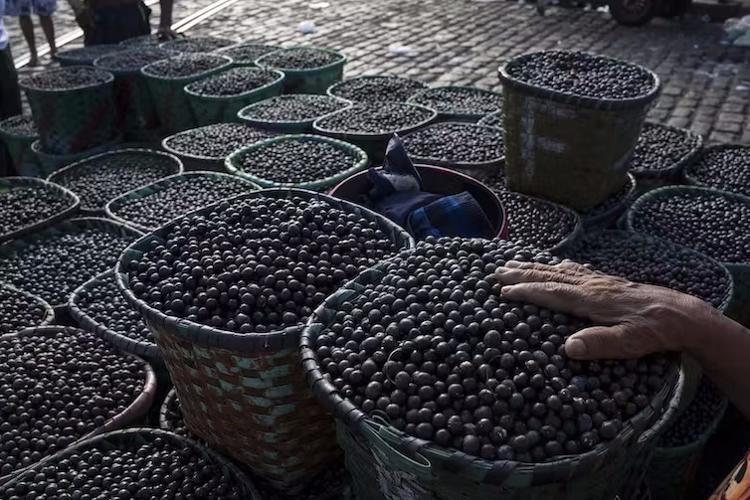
{"x":245,"y":394}
{"x":114,"y":206}
{"x":388,"y":464}
{"x":49,"y":313}
{"x":288,"y":127}
{"x":73,"y":120}
{"x":408,"y":87}
{"x":17,"y":145}
{"x":447,"y":113}
{"x":172,"y":106}
{"x":130,"y":415}
{"x":246,"y":53}
{"x":8,"y":183}
{"x":360,"y":162}
{"x":307,"y":81}
{"x":651,"y":179}
{"x":132,"y":438}
{"x":215,"y":109}
{"x":690,"y":177}
{"x":85,"y":56}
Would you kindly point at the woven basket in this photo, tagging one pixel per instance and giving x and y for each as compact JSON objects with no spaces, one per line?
{"x":360,"y":162}
{"x":457,"y":116}
{"x":136,"y":436}
{"x":689,"y":172}
{"x":238,"y":60}
{"x":66,"y":226}
{"x":593,"y":137}
{"x":85,"y":56}
{"x":287,"y":127}
{"x":388,"y":464}
{"x":164,"y":420}
{"x":48,"y":163}
{"x":608,"y":218}
{"x":114,"y":206}
{"x":739,"y":305}
{"x":70,"y":171}
{"x":214,"y":109}
{"x":49,"y":313}
{"x":481,"y":170}
{"x":308,"y":81}
{"x":147,"y":350}
{"x":7,"y":183}
{"x":651,"y":179}
{"x":132,"y":414}
{"x":18,"y":146}
{"x":172,"y":106}
{"x":245,"y":394}
{"x":73,"y":120}
{"x":335,"y":90}
{"x":374,"y":144}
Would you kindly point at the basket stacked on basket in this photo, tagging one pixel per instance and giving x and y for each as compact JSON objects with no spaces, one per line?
{"x":17,"y":133}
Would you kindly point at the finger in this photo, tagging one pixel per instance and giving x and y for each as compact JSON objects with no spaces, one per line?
{"x":567,"y":267}
{"x":562,"y":297}
{"x":607,"y":342}
{"x":575,"y":267}
{"x":511,"y":276}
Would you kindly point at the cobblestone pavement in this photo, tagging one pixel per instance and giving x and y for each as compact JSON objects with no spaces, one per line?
{"x":706,"y":85}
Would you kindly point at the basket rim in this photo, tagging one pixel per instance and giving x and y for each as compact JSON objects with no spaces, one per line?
{"x":124,"y":434}
{"x":297,"y":72}
{"x":217,"y":159}
{"x":163,"y":408}
{"x":4,"y":132}
{"x":137,"y":408}
{"x":137,"y":347}
{"x":460,"y":113}
{"x":258,"y":122}
{"x":343,"y":134}
{"x":109,"y":79}
{"x":486,"y":118}
{"x":666,"y":191}
{"x":361,"y":160}
{"x":51,"y":220}
{"x":168,"y":43}
{"x":593,"y":220}
{"x":77,"y":222}
{"x":99,"y":61}
{"x":509,"y":81}
{"x":49,"y":313}
{"x":115,"y":204}
{"x":227,"y":61}
{"x":245,"y":44}
{"x":495,"y":162}
{"x":331,"y":90}
{"x":36,"y":148}
{"x":68,"y":169}
{"x":65,"y":55}
{"x":690,"y":169}
{"x":354,"y":418}
{"x":277,"y":82}
{"x":676,"y":167}
{"x":672,"y":246}
{"x":214,"y":337}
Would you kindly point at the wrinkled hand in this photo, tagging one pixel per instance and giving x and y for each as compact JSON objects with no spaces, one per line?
{"x":638,"y":319}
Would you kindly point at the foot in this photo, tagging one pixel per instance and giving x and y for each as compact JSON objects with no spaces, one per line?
{"x":33,"y":61}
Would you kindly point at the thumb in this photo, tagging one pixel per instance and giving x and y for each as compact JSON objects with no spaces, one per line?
{"x":606,"y":342}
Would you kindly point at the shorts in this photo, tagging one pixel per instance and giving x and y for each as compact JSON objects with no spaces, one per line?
{"x":17,"y":8}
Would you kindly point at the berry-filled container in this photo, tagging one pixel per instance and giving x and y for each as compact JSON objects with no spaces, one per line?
{"x":20,"y":310}
{"x":413,"y":427}
{"x":100,"y":389}
{"x":291,"y":113}
{"x":73,"y":108}
{"x":170,"y":416}
{"x":17,"y":133}
{"x":722,"y":166}
{"x":197,"y":44}
{"x":307,"y":70}
{"x":246,"y":53}
{"x":154,"y":205}
{"x":247,"y":398}
{"x":439,"y":180}
{"x":459,"y":103}
{"x":57,"y":259}
{"x":47,"y":163}
{"x":136,"y":111}
{"x":710,"y":221}
{"x":219,"y":98}
{"x":151,"y":40}
{"x":141,"y":461}
{"x":376,"y":88}
{"x":166,"y":80}
{"x":576,"y":109}
{"x":662,"y":153}
{"x":492,"y":120}
{"x":100,"y":178}
{"x":207,"y":148}
{"x":85,"y":56}
{"x":301,"y":161}
{"x":607,"y":213}
{"x":370,"y":126}
{"x":475,"y":150}
{"x":28,"y":204}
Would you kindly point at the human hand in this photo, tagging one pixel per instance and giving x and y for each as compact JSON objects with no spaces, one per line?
{"x":638,"y":319}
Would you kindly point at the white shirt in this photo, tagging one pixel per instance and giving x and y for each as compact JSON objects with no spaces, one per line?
{"x":3,"y":33}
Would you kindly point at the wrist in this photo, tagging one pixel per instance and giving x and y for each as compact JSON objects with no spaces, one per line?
{"x":701,"y":321}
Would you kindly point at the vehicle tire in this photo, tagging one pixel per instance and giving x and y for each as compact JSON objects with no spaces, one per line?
{"x":633,"y":12}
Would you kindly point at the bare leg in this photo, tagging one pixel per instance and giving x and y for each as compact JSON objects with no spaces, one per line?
{"x":27,"y":27}
{"x":49,"y":32}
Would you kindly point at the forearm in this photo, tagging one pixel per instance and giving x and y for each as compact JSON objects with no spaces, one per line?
{"x":165,"y":15}
{"x":721,"y":346}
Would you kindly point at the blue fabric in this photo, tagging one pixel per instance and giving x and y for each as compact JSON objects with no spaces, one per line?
{"x":399,"y":205}
{"x":398,"y":172}
{"x":456,"y":215}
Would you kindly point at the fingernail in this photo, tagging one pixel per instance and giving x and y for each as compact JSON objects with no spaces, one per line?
{"x":575,"y":348}
{"x":505,"y":290}
{"x":501,"y":270}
